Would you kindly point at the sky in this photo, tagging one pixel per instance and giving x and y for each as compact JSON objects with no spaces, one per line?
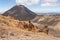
{"x":38,"y":6}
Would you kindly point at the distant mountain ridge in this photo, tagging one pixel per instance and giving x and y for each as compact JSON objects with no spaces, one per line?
{"x":51,"y":13}
{"x":20,"y":12}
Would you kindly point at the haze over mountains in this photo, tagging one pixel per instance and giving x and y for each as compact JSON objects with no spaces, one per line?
{"x":20,"y":12}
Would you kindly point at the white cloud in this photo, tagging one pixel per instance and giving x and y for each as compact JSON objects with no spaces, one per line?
{"x":27,"y":2}
{"x":49,"y":3}
{"x":50,"y":0}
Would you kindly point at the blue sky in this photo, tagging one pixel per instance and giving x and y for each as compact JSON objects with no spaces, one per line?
{"x":41,"y":6}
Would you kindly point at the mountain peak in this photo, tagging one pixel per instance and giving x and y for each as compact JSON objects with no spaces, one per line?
{"x":19,"y":6}
{"x":20,"y":12}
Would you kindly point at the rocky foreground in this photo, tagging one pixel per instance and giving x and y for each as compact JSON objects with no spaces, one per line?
{"x":11,"y":29}
{"x":8,"y":35}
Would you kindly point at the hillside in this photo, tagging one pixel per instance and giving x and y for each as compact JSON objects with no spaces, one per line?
{"x":50,"y":20}
{"x":11,"y":29}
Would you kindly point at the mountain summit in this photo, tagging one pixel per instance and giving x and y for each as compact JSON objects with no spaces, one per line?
{"x":20,"y":12}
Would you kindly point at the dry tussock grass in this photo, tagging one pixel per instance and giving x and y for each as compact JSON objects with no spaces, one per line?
{"x":15,"y":25}
{"x":12,"y":23}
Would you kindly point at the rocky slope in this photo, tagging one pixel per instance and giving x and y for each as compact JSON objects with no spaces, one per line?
{"x":6,"y":35}
{"x":48,"y":19}
{"x":11,"y":29}
{"x":52,"y":21}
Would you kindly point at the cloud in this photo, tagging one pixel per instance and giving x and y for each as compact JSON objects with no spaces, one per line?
{"x":50,"y":0}
{"x":49,"y":3}
{"x":27,"y":2}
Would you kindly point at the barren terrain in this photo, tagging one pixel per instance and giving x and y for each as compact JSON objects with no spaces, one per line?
{"x":11,"y":29}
